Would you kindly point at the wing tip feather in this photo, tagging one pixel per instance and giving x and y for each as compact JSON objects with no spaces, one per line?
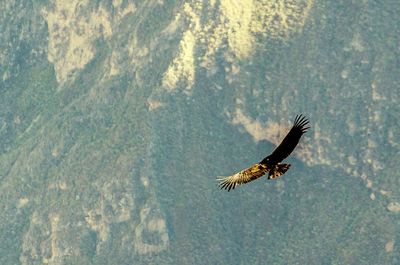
{"x":301,"y":122}
{"x":225,"y":184}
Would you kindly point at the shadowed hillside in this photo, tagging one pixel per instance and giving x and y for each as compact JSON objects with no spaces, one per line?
{"x":116,"y":118}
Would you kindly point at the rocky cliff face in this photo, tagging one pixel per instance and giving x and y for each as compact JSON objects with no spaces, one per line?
{"x":117,"y":116}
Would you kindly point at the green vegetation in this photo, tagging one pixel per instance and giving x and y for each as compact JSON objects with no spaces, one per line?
{"x":116,"y":169}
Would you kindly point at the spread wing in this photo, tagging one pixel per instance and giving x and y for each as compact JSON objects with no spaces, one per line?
{"x":290,"y":141}
{"x":244,"y":176}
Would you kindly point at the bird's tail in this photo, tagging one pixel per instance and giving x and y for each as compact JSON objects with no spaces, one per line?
{"x":278,"y":170}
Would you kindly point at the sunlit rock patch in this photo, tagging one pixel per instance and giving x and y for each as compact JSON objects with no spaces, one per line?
{"x":232,"y":26}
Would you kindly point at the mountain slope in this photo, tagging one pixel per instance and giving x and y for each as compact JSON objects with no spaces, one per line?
{"x":117,"y":116}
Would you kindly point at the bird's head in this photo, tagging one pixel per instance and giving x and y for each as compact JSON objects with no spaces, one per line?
{"x":266,"y":160}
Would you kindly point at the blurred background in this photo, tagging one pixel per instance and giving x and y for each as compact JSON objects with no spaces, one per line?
{"x":117,"y":116}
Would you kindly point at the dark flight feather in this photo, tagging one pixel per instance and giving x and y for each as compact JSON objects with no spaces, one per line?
{"x":286,"y":147}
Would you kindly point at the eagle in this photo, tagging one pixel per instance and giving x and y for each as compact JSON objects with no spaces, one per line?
{"x":272,"y":163}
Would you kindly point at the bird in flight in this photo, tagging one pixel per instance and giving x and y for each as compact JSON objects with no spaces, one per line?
{"x":272,"y":163}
